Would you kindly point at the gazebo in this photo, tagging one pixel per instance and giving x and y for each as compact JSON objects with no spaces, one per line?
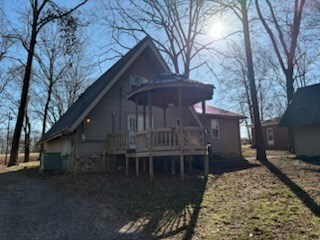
{"x":165,"y":91}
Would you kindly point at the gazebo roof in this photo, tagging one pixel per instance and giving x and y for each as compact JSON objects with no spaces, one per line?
{"x":164,"y":91}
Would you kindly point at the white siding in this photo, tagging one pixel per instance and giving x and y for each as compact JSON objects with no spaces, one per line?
{"x":307,"y":140}
{"x":61,"y":145}
{"x":64,"y":146}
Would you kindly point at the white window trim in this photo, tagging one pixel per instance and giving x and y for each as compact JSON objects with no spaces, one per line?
{"x":270,"y":142}
{"x":219,"y":132}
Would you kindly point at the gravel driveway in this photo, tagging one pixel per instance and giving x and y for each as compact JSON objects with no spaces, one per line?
{"x":32,"y":209}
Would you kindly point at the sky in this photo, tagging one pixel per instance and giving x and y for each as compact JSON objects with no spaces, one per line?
{"x":99,"y":36}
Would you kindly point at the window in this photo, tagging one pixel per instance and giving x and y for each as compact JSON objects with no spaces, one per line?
{"x":215,"y":128}
{"x":270,"y":137}
{"x":136,"y":81}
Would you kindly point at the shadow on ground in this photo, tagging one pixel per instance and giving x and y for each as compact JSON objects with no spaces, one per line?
{"x":225,"y":165}
{"x":135,"y":208}
{"x":309,"y":160}
{"x":295,"y":188}
{"x":167,"y":208}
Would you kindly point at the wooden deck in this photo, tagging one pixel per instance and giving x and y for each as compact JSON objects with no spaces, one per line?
{"x":118,"y":143}
{"x":183,"y":141}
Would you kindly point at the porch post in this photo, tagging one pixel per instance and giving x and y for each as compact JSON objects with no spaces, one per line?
{"x":108,"y":162}
{"x":164,"y":117}
{"x":206,"y":156}
{"x":182,"y":167}
{"x":137,"y":159}
{"x":181,"y":137}
{"x":151,"y":138}
{"x":203,"y":107}
{"x":173,"y":166}
{"x":151,"y":167}
{"x":144,"y":117}
{"x":127,"y":166}
{"x":206,"y":165}
{"x":144,"y":162}
{"x":136,"y":115}
{"x":190,"y":163}
{"x":137,"y":167}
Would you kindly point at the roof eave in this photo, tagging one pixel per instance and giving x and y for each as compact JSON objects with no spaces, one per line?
{"x":222,"y":116}
{"x":62,"y":133}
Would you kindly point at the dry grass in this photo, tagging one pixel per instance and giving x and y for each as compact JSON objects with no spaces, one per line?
{"x":249,"y":152}
{"x":32,"y":164}
{"x":278,"y":200}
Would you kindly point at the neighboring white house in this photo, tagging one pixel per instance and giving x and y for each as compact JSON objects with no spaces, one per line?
{"x":303,"y":115}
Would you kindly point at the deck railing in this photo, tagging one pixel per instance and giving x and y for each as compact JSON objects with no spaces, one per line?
{"x":162,"y":139}
{"x":170,"y":138}
{"x":118,"y":141}
{"x":194,"y":137}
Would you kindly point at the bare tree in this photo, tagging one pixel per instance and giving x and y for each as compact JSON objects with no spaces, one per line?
{"x":74,"y":83}
{"x":179,"y":28}
{"x":284,"y":38}
{"x":54,"y":59}
{"x":234,"y":79}
{"x":284,"y":41}
{"x":261,"y":154}
{"x":15,"y":73}
{"x":42,"y":13}
{"x":240,"y":9}
{"x":27,"y":134}
{"x":5,"y":44}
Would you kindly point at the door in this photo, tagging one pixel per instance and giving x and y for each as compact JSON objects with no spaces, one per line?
{"x":132,"y":123}
{"x":270,"y":136}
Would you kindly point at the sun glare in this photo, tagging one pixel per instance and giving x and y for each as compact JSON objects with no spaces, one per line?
{"x":216,"y":31}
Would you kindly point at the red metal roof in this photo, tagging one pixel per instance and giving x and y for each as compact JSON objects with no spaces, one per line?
{"x":210,"y":110}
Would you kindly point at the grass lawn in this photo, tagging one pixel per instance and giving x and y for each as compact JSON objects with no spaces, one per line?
{"x":240,"y":200}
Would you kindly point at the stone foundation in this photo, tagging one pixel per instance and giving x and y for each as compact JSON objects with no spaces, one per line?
{"x":91,"y":163}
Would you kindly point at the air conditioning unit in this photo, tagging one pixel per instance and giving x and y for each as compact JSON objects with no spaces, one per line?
{"x":51,"y":161}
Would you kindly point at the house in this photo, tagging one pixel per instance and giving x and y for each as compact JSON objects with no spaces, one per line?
{"x":303,"y":116}
{"x":223,"y":130}
{"x":274,"y":137}
{"x":137,"y":113}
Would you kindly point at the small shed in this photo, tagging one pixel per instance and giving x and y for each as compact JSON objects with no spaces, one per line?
{"x":303,"y":115}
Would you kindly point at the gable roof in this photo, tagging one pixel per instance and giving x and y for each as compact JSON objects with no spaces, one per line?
{"x":217,"y":112}
{"x":304,"y":109}
{"x":268,"y":122}
{"x":164,"y":88}
{"x":93,"y":94}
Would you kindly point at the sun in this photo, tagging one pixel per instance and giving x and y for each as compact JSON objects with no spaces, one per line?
{"x":216,"y":31}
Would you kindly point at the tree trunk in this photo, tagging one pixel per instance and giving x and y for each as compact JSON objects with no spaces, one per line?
{"x":290,"y":92}
{"x":45,"y":115}
{"x":248,"y":129}
{"x":24,"y":95}
{"x":27,"y":130}
{"x":261,"y":155}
